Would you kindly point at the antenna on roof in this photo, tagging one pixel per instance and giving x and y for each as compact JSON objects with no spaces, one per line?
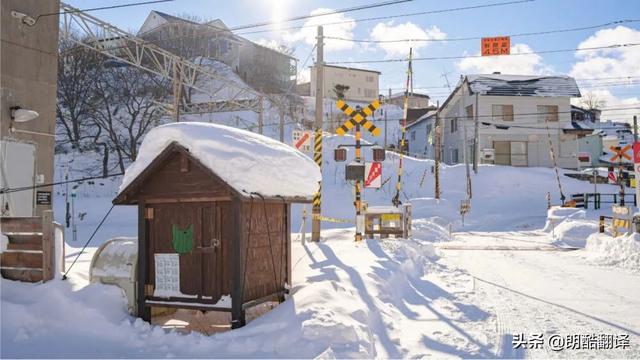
{"x":444,"y":75}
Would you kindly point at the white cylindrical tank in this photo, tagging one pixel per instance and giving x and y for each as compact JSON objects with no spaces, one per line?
{"x":115,"y":263}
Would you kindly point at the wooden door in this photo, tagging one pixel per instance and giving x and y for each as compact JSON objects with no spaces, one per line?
{"x":502,"y":152}
{"x":202,"y":272}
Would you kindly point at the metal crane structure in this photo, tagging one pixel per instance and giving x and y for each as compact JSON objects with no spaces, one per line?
{"x":118,"y":44}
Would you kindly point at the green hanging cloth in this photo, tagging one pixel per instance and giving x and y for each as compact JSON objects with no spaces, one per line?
{"x":182,"y":239}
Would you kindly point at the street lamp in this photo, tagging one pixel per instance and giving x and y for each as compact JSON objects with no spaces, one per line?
{"x":21,"y":115}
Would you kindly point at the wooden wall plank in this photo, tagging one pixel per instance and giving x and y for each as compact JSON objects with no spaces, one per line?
{"x":20,"y":224}
{"x":48,"y":245}
{"x":22,"y":275}
{"x":21,"y":260}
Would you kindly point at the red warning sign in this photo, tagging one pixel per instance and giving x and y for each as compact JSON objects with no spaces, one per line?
{"x":636,"y":152}
{"x":499,"y":45}
{"x":373,"y":170}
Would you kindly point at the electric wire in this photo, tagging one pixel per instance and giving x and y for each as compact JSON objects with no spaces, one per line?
{"x":467,"y":38}
{"x":613,"y":46}
{"x":64,"y":277}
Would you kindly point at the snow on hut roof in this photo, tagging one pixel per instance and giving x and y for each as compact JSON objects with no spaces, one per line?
{"x":523,"y":85}
{"x":246,"y":161}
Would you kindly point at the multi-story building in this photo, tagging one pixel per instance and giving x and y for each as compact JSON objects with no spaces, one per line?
{"x":28,"y":104}
{"x":363,"y":84}
{"x":264,"y":68}
{"x":415,"y":100}
{"x":518,"y":118}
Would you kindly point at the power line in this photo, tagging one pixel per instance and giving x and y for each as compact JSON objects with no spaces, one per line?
{"x":217,"y":30}
{"x":616,"y":22}
{"x":23,"y":188}
{"x":632,"y":107}
{"x":632,"y":82}
{"x":104,"y":8}
{"x":302,"y":17}
{"x":394,"y":16}
{"x":614,"y":46}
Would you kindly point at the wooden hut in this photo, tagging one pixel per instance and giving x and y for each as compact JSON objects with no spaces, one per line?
{"x":203,"y":243}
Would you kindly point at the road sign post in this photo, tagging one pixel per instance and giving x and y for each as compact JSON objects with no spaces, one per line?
{"x":373,"y":175}
{"x":301,"y":140}
{"x":357,"y":118}
{"x":636,"y":167}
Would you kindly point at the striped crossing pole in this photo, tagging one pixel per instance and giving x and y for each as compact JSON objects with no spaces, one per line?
{"x":357,"y":118}
{"x":317,"y":198}
{"x":358,"y":202}
{"x":396,"y":199}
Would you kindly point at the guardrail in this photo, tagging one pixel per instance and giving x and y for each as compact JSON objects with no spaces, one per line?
{"x":583,"y":200}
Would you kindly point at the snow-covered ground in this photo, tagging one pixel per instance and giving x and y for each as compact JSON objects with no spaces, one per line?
{"x":452,"y":290}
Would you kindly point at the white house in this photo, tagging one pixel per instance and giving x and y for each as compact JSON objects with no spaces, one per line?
{"x":518,"y":117}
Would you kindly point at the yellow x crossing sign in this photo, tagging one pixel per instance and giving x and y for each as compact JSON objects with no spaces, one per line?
{"x":358,"y":117}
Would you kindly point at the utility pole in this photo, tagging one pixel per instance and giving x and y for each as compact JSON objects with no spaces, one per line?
{"x":466,"y":159}
{"x":385,"y":120}
{"x":281,"y":125}
{"x":317,"y":149}
{"x":476,"y":137}
{"x":438,"y":152}
{"x":635,"y":128}
{"x":465,"y":143}
{"x":260,"y":114}
{"x":408,"y":90}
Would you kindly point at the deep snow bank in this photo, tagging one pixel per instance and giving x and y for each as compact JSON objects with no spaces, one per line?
{"x":622,"y":251}
{"x":365,"y":300}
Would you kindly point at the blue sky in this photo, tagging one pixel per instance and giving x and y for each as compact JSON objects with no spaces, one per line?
{"x":539,"y":15}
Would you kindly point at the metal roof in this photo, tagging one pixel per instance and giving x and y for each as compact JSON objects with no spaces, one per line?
{"x":523,"y":85}
{"x":423,"y":118}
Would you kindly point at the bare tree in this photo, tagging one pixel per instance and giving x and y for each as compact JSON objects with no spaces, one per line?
{"x":128,"y":107}
{"x":78,"y":70}
{"x":340,"y":90}
{"x":592,"y":101}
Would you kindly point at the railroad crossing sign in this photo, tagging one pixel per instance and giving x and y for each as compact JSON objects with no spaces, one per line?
{"x":301,"y":140}
{"x":358,"y":117}
{"x":373,"y":171}
{"x":620,"y":153}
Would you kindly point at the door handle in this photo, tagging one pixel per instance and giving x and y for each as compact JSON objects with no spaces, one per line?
{"x":215,"y":243}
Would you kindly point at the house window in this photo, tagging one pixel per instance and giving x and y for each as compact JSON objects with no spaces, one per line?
{"x":512,"y":153}
{"x":469,"y":110}
{"x":369,"y":78}
{"x":413,"y":135}
{"x":502,"y":112}
{"x":370,"y":93}
{"x":547,"y":113}
{"x":454,"y":125}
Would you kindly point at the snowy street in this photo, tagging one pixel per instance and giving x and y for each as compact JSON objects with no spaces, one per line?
{"x":550,"y":292}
